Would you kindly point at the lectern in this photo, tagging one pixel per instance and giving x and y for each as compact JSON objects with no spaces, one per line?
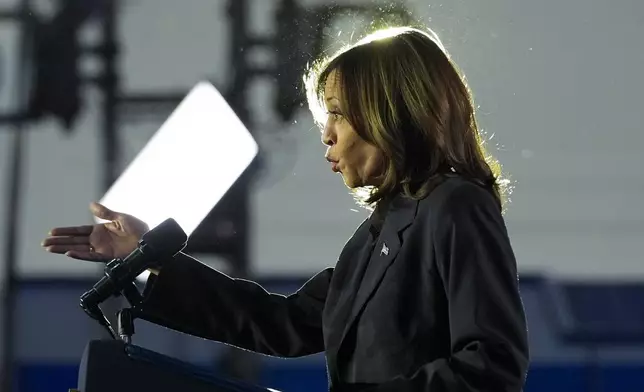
{"x":116,"y":366}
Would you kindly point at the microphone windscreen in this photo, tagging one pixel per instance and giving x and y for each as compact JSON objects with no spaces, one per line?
{"x":168,"y":238}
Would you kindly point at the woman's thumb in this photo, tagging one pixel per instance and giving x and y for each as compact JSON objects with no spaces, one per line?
{"x":102,"y":212}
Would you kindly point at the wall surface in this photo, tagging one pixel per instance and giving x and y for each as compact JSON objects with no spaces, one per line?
{"x":558,"y":88}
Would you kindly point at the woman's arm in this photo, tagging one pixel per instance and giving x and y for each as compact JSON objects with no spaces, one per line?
{"x":188,"y":296}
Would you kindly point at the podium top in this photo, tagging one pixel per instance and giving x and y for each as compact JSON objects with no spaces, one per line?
{"x":161,"y":361}
{"x":106,"y":364}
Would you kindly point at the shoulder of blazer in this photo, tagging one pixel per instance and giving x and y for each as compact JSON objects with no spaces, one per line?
{"x":439,"y":200}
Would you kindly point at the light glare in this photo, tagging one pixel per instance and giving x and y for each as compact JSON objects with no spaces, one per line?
{"x":188,"y":165}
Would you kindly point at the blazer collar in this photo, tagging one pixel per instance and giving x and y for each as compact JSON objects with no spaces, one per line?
{"x":399,"y":214}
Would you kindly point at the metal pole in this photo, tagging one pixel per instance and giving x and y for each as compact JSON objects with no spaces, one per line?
{"x":12,"y":226}
{"x":237,"y":363}
{"x":109,"y":84}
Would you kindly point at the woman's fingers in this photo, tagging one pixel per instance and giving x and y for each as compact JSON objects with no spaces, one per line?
{"x":61,"y":249}
{"x":71,"y":231}
{"x":87,"y":256}
{"x":66,"y":240}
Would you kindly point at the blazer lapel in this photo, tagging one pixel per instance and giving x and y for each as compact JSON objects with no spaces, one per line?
{"x":400,"y":215}
{"x":339,"y":300}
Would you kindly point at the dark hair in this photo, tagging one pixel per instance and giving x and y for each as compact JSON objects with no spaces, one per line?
{"x":401,"y":92}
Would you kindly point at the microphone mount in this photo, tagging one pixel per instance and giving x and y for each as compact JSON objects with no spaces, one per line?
{"x":165,"y":240}
{"x":125,"y":317}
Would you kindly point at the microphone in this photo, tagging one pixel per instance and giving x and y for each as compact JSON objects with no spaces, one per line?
{"x":165,"y":240}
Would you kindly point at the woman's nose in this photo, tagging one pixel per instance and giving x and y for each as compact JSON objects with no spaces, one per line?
{"x":327,"y":137}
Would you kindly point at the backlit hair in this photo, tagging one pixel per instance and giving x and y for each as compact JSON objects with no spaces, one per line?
{"x":402,"y":93}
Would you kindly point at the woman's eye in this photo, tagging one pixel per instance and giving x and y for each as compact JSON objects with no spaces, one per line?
{"x":335,"y":115}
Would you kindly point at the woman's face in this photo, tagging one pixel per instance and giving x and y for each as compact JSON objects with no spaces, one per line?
{"x":359,"y":162}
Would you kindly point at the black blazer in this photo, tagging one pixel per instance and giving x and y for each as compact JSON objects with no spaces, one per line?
{"x":431,"y":304}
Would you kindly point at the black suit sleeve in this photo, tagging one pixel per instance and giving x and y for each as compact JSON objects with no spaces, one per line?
{"x":191,"y":297}
{"x":487,"y":322}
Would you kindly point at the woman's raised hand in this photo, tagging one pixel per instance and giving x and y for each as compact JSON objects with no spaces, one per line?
{"x":116,"y":238}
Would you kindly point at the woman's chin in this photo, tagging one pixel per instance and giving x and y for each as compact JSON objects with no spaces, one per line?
{"x":348,"y":181}
{"x":351,"y":182}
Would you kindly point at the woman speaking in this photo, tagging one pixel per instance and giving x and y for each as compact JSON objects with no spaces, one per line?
{"x":424,"y":296}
